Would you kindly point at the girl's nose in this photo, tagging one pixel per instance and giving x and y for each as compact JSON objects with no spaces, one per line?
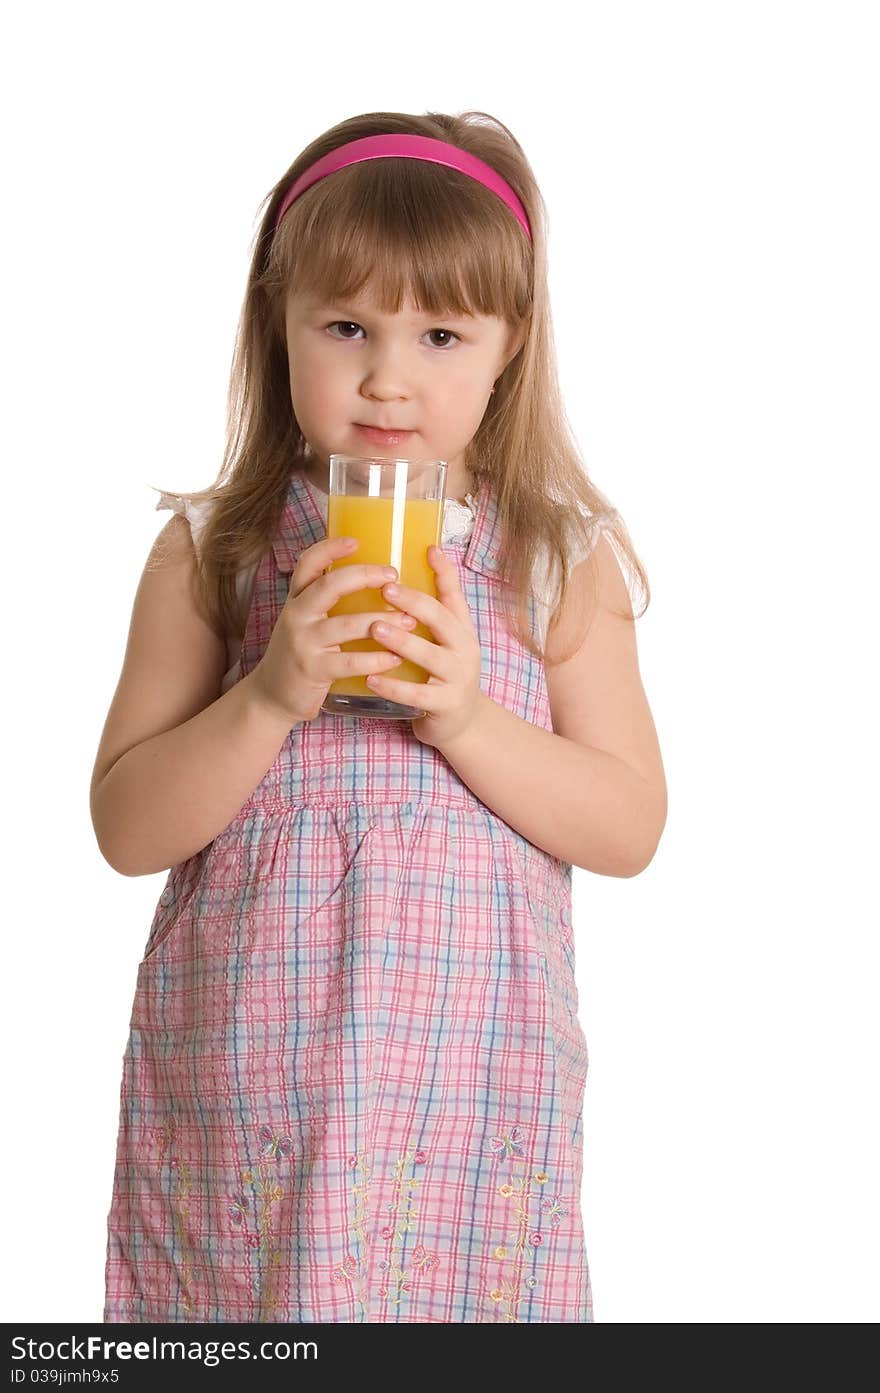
{"x":386,"y":382}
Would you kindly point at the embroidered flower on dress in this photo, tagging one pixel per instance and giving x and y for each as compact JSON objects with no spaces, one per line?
{"x":346,"y":1270}
{"x":273,"y":1146}
{"x":424,"y":1260}
{"x":458,"y":519}
{"x":238,"y":1209}
{"x":554,"y":1208}
{"x":264,"y":1180}
{"x":157,"y":1141}
{"x":509,"y":1144}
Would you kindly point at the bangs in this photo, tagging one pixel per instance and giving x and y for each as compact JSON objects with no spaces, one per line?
{"x":397,"y":231}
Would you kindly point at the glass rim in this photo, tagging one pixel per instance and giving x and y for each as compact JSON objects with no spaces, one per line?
{"x":375,"y":459}
{"x":354,"y":474}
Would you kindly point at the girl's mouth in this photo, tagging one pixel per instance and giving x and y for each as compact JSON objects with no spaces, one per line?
{"x":384,"y":437}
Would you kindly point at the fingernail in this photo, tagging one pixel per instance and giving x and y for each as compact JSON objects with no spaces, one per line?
{"x":392,"y":589}
{"x":381,"y":629}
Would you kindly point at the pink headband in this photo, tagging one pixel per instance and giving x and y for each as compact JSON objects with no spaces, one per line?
{"x":414,"y":147}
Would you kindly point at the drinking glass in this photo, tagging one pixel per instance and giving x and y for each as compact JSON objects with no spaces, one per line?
{"x":395,"y":510}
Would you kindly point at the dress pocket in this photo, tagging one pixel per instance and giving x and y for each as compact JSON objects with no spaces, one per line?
{"x":206,"y":883}
{"x":547,"y":884}
{"x":179,"y":890}
{"x":295,"y":867}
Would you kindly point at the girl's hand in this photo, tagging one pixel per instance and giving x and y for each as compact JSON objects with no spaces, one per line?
{"x":451,"y":694}
{"x":303,"y":655}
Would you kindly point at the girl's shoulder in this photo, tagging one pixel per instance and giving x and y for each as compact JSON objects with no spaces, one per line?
{"x":581,"y":539}
{"x":195,"y":512}
{"x":581,"y":536}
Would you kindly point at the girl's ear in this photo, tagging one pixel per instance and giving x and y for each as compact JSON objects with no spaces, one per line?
{"x":515,"y":340}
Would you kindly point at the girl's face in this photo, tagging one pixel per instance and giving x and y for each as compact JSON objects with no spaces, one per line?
{"x":351,"y":365}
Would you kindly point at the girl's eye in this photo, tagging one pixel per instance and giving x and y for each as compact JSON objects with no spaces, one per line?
{"x":350,"y":323}
{"x":449,"y":334}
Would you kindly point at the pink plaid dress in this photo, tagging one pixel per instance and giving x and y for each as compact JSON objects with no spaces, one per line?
{"x":354,"y":1079}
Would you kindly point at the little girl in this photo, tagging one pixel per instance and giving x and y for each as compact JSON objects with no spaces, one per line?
{"x":354,"y":1080}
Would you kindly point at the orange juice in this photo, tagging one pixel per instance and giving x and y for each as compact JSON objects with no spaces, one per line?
{"x":386,"y":538}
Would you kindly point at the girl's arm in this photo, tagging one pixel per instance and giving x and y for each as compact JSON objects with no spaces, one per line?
{"x":171,"y":795}
{"x":176,"y":762}
{"x":593,"y":790}
{"x":579,"y":803}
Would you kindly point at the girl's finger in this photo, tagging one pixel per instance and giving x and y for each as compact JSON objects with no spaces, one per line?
{"x":432,"y":657}
{"x":430,"y":612}
{"x":448,"y":585}
{"x":407,"y":693}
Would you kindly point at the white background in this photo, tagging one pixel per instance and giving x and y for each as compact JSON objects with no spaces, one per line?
{"x":710,"y":171}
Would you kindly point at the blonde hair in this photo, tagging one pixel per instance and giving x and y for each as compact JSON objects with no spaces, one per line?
{"x":408,"y":229}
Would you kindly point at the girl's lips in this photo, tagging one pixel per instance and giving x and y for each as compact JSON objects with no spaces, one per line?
{"x":384,"y":437}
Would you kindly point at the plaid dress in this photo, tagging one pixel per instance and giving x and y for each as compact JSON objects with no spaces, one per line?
{"x":354,"y":1079}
